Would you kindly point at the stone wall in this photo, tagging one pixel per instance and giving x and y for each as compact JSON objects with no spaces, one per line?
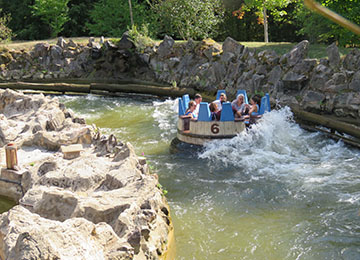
{"x":329,"y":86}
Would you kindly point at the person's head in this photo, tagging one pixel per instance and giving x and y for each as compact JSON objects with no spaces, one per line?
{"x":198,"y":98}
{"x":192,"y":105}
{"x":213,"y":107}
{"x":255,"y":100}
{"x":222,"y":97}
{"x":240,"y":98}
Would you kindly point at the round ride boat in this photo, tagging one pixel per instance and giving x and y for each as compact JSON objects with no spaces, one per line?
{"x":203,"y":129}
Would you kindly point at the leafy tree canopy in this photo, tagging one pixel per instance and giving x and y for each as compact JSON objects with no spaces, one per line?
{"x":111,"y":18}
{"x":5,"y":32}
{"x":321,"y":30}
{"x":195,"y":19}
{"x":52,"y":12}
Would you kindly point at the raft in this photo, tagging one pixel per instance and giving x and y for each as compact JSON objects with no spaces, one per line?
{"x":203,"y":129}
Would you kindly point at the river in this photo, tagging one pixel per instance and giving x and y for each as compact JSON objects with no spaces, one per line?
{"x":274,"y":192}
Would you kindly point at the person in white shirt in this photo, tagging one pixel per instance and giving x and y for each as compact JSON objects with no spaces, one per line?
{"x":198,"y":99}
{"x":221,"y":100}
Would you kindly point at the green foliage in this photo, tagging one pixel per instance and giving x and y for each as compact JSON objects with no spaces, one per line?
{"x":52,"y":12}
{"x":275,"y":8}
{"x":111,"y":18}
{"x":140,"y":37}
{"x":197,"y":19}
{"x":321,"y":30}
{"x":79,"y":15}
{"x":5,"y":32}
{"x":24,"y":25}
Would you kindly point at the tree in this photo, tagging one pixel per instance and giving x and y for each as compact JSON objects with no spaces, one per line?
{"x":52,"y":12}
{"x":24,"y":25}
{"x":111,"y":17}
{"x":186,"y":19}
{"x":262,"y":8}
{"x":321,"y":30}
{"x":79,"y":15}
{"x":5,"y":31}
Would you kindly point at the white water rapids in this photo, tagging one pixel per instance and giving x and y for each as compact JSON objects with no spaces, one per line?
{"x":273,"y":192}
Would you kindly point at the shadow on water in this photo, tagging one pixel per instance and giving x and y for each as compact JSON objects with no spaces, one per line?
{"x":6,"y":204}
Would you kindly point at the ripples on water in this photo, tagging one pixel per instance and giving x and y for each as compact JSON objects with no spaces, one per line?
{"x":274,"y":192}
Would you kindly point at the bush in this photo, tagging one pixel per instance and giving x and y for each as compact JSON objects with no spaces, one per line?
{"x":196,"y":19}
{"x":140,"y":37}
{"x":5,"y":32}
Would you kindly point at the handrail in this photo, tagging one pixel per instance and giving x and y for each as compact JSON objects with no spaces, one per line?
{"x":311,"y":4}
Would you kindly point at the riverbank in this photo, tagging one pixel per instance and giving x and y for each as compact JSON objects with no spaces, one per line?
{"x":104,"y":203}
{"x":328,"y":86}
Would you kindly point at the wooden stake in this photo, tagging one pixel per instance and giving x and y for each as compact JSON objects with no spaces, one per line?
{"x":11,"y":156}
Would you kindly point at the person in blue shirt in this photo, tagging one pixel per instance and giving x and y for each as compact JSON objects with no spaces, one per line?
{"x":255,"y":105}
{"x":190,"y":112}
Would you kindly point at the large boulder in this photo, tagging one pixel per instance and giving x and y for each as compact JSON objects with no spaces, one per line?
{"x":334,"y":55}
{"x":297,"y":54}
{"x":165,"y":47}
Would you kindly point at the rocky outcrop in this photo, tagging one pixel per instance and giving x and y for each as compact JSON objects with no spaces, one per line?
{"x":325,"y":86}
{"x":104,"y":204}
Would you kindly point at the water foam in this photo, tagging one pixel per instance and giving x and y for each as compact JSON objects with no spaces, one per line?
{"x":165,"y":114}
{"x":278,"y":147}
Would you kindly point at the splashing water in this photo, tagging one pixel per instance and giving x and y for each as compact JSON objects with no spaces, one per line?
{"x":273,"y":192}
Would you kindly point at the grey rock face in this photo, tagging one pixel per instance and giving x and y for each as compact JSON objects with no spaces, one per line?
{"x":298,"y":53}
{"x":165,"y":47}
{"x":102,"y":205}
{"x":355,"y":82}
{"x":334,"y":55}
{"x":313,"y":100}
{"x":352,"y":60}
{"x":232,"y":46}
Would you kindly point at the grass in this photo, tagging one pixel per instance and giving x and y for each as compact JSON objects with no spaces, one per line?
{"x":316,"y":51}
{"x":28,"y":45}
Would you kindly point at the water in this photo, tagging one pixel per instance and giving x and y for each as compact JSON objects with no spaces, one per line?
{"x":275,"y":192}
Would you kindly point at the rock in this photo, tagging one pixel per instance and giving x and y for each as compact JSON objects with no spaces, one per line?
{"x":5,"y":58}
{"x":352,"y":60}
{"x":275,"y":75}
{"x":339,"y":78}
{"x":39,"y":238}
{"x":40,"y":50}
{"x":232,"y":46}
{"x":71,"y":44}
{"x":313,"y":100}
{"x":334,"y":55}
{"x":105,"y":196}
{"x":125,"y":42}
{"x":190,"y":45}
{"x":321,"y":75}
{"x":269,"y":57}
{"x":355,"y":82}
{"x":110,"y":46}
{"x":298,"y":53}
{"x":165,"y":47}
{"x":61,"y":43}
{"x":56,"y":53}
{"x":305,"y":66}
{"x":294,"y":81}
{"x":226,"y":57}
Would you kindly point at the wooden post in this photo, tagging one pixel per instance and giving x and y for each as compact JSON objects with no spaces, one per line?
{"x":11,"y":156}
